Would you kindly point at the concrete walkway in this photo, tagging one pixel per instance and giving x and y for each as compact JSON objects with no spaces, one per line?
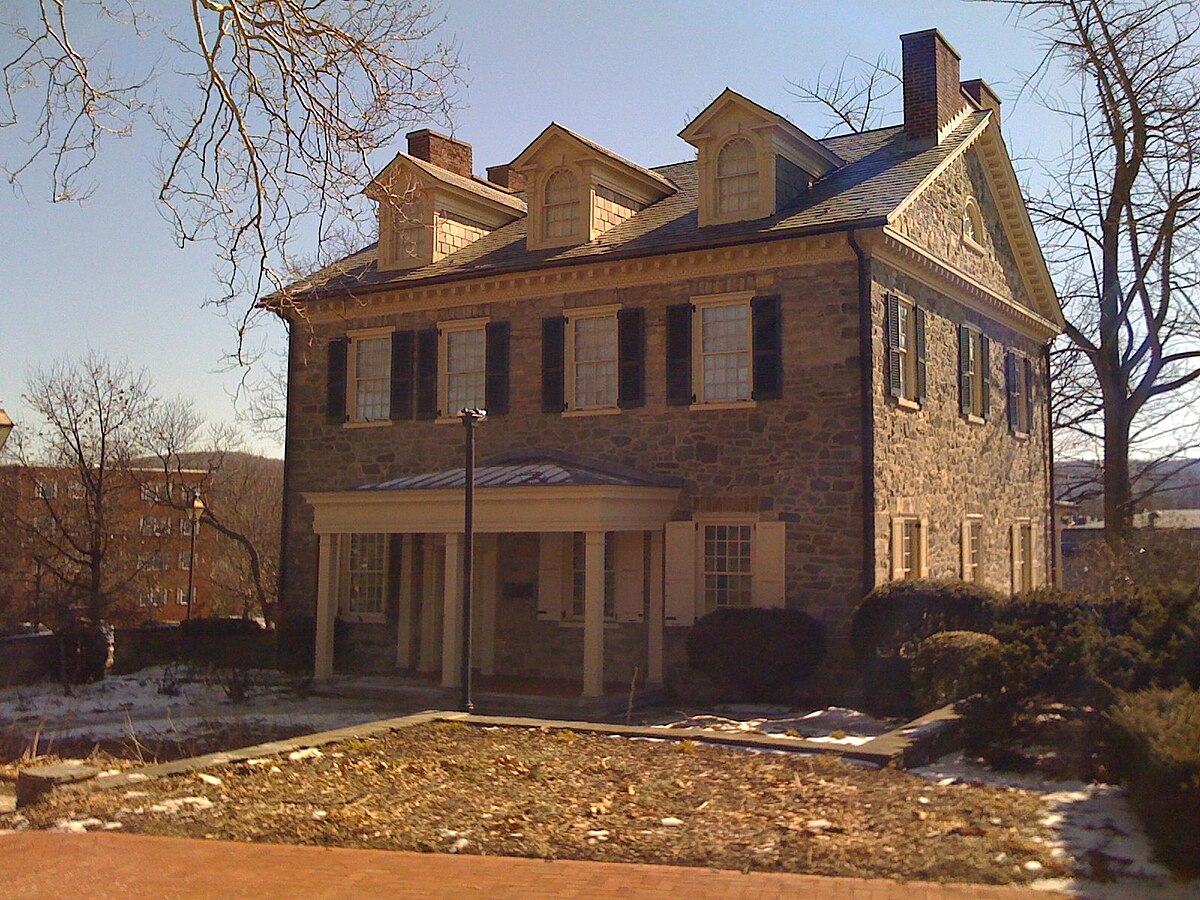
{"x":45,"y":865}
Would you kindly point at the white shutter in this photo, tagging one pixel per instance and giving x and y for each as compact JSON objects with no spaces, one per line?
{"x":681,"y":573}
{"x":768,"y":561}
{"x":550,"y":576}
{"x":964,"y":549}
{"x":923,"y":537}
{"x":630,"y":571}
{"x":897,"y":548}
{"x":1014,"y":576}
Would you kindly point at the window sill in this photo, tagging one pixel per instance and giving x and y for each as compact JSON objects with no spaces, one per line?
{"x":905,"y":403}
{"x":367,"y":423}
{"x":724,"y":404}
{"x":1021,"y":435}
{"x":609,"y":624}
{"x":592,"y":411}
{"x":362,"y":618}
{"x":974,"y":246}
{"x":448,"y":420}
{"x":973,"y":419}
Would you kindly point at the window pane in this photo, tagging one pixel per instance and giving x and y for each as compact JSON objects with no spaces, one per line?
{"x":366,"y":563}
{"x":595,"y":361}
{"x":562,"y":204}
{"x":727,"y":566}
{"x":578,"y":574}
{"x":737,"y":177}
{"x":725,"y":351}
{"x":466,"y":356}
{"x":372,"y":390}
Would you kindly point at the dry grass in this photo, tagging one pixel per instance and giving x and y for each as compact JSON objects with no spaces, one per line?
{"x":557,"y":794}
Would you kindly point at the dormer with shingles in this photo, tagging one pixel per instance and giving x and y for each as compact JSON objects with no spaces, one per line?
{"x":430,"y":204}
{"x":578,"y":190}
{"x":752,"y":162}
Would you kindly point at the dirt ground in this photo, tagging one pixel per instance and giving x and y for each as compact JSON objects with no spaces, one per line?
{"x":450,"y":787}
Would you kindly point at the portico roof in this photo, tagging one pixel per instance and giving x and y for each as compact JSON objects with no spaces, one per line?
{"x":532,"y":492}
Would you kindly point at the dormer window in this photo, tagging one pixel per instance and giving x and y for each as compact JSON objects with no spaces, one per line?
{"x":561,"y":204}
{"x":737,"y":176}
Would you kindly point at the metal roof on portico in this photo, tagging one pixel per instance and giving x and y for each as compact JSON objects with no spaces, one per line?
{"x":543,"y":492}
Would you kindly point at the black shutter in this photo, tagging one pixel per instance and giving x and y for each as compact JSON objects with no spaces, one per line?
{"x":679,"y":354}
{"x":919,"y":329}
{"x":631,"y":354}
{"x":1028,"y":386}
{"x":965,"y":387}
{"x":1010,"y":383}
{"x":985,"y":378}
{"x":427,"y":374}
{"x":335,"y":400}
{"x":403,"y":346}
{"x":496,"y":384}
{"x":767,"y":329}
{"x":554,"y":333}
{"x":892,"y":327}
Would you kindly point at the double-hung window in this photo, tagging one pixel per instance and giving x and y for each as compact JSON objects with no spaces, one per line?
{"x":1022,"y":556}
{"x":592,"y":354}
{"x":723,"y":365}
{"x":578,"y":575}
{"x":906,"y":351}
{"x":1019,"y":375}
{"x":365,"y":578}
{"x":561,"y":204}
{"x":737,"y":176}
{"x":974,"y":363}
{"x":463,"y":381}
{"x":909,"y":548}
{"x":727,"y":565}
{"x":370,"y":377}
{"x":972,"y":548}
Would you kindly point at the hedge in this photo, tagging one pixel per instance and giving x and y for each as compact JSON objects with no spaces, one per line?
{"x":953,"y":665}
{"x":225,"y":643}
{"x":762,"y":655}
{"x":1156,"y":751}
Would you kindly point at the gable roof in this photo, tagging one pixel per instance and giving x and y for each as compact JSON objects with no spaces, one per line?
{"x":475,"y":186}
{"x":882,"y":175}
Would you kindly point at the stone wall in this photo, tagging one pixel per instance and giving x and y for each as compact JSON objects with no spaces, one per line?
{"x":796,"y":459}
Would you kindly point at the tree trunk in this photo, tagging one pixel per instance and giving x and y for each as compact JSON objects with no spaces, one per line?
{"x":1118,"y":486}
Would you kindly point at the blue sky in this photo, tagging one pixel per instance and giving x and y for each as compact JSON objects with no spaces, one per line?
{"x":106,"y":273}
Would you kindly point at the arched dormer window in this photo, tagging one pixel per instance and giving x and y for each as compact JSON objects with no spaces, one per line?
{"x":737,"y":176}
{"x":972,"y":224}
{"x":561,"y":208}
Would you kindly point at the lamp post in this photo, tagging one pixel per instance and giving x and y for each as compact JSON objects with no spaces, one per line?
{"x":194,"y":513}
{"x":471,"y":419}
{"x":6,"y":427}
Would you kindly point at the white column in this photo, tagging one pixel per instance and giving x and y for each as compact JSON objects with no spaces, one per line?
{"x":452,"y":612}
{"x":593,"y":614}
{"x":404,"y":625}
{"x":487,"y":560}
{"x":326,"y":605}
{"x":431,"y":606}
{"x":654,"y":617}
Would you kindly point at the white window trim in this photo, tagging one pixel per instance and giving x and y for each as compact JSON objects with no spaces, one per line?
{"x":1024,"y":391}
{"x":968,"y":545}
{"x":702,"y":520}
{"x":908,"y":355}
{"x":479,"y":323}
{"x":971,"y":211}
{"x":709,"y":301}
{"x":572,"y":316}
{"x":710,"y":192}
{"x":1017,"y":574}
{"x":344,"y":612}
{"x":977,"y":376}
{"x":920,"y":552}
{"x":353,"y":337}
{"x":582,"y":207}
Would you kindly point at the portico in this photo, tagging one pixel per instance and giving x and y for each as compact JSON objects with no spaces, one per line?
{"x":599,"y":560}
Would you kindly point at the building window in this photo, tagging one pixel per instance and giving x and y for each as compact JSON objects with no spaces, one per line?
{"x":908,"y":548}
{"x":464,"y":368}
{"x":972,"y":554}
{"x":371,"y":376}
{"x":1022,"y":557}
{"x":905,"y":327}
{"x":561,"y":204}
{"x":973,"y":366}
{"x":972,"y":224}
{"x":366,"y":574}
{"x":1020,"y":392}
{"x":152,"y":527}
{"x":155,"y":598}
{"x":155,"y":563}
{"x":592,"y":349}
{"x":737,"y":177}
{"x":578,"y":575}
{"x":185,"y":527}
{"x":182,"y":596}
{"x":723,"y":360}
{"x":75,"y":490}
{"x":45,"y":490}
{"x":185,"y":561}
{"x":155,"y":493}
{"x":727,"y":571}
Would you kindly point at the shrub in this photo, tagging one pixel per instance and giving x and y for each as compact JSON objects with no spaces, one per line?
{"x":763,"y":655}
{"x":895,"y":617}
{"x":83,"y":651}
{"x":953,"y":665}
{"x":1155,"y":749}
{"x":887,"y":686}
{"x":296,"y":643}
{"x":222,"y":643}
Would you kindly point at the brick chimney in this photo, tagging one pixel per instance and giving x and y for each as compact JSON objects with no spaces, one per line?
{"x":441,"y":150}
{"x":932,"y":94}
{"x":505,"y":177}
{"x":983,"y":96}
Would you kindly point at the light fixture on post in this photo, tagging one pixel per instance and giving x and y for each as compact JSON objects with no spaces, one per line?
{"x":195,"y":513}
{"x":471,"y":419}
{"x":6,"y":427}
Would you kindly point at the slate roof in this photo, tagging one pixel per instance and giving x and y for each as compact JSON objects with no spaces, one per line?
{"x":530,"y":470}
{"x":881,"y":171}
{"x":477,"y":186}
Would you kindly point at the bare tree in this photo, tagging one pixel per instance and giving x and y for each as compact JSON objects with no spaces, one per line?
{"x":1119,"y":221}
{"x":268,"y":111}
{"x":91,"y":428}
{"x":856,"y":98}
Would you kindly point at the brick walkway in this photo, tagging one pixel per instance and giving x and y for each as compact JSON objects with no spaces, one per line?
{"x":45,"y":865}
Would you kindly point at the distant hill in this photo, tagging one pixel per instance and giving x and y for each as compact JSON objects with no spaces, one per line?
{"x":1174,"y":484}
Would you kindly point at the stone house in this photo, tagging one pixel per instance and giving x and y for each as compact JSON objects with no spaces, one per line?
{"x":776,"y":374}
